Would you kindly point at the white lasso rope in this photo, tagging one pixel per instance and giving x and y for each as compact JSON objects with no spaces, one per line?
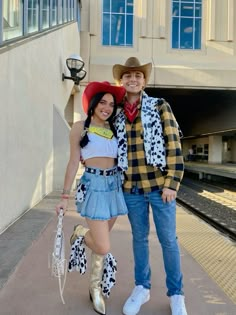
{"x":58,"y":261}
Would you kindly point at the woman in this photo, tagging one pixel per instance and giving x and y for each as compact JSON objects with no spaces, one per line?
{"x":99,"y":194}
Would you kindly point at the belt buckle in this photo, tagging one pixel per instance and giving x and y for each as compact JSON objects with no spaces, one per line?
{"x":105,"y":173}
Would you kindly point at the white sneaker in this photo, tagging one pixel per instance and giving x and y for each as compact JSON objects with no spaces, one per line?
{"x":177,"y":305}
{"x":138,"y":297}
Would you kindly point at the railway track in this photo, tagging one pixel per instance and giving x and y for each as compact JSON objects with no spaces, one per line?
{"x":215,"y":204}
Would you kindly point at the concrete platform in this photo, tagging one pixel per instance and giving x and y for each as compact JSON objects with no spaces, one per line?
{"x":205,"y":170}
{"x":29,"y":289}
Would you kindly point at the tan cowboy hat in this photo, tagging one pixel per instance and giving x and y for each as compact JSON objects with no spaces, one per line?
{"x":131,"y":64}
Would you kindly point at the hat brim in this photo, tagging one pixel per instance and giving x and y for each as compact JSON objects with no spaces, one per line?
{"x":94,"y":88}
{"x":119,"y":70}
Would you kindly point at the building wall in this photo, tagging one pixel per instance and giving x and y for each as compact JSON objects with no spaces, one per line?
{"x":214,"y":66}
{"x":233,"y":150}
{"x":215,"y":149}
{"x":211,"y":68}
{"x":33,"y":100}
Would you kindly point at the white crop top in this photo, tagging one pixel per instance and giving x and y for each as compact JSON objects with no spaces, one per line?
{"x":99,"y":146}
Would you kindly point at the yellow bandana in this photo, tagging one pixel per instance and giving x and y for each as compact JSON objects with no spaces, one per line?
{"x":103,"y":132}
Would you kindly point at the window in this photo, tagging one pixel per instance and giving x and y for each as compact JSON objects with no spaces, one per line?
{"x":199,"y":150}
{"x":205,"y":149}
{"x":117,"y":22}
{"x":33,"y":16}
{"x":65,"y":10}
{"x":71,"y":10}
{"x":12,"y":19}
{"x":73,"y":13}
{"x":60,"y":9}
{"x":45,"y":14}
{"x":26,"y":17}
{"x":186,"y":24}
{"x":54,"y":12}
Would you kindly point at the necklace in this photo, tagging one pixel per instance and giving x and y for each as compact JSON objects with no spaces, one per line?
{"x":101,"y":131}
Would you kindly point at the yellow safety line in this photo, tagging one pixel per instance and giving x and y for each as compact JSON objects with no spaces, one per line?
{"x":215,"y":253}
{"x":221,"y":200}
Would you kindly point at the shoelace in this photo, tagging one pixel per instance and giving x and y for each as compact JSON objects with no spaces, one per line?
{"x":136,"y":292}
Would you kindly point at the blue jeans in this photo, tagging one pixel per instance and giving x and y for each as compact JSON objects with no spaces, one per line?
{"x":164,"y":216}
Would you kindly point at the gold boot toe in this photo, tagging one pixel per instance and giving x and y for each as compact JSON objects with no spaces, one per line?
{"x":97,"y":300}
{"x":79,"y":230}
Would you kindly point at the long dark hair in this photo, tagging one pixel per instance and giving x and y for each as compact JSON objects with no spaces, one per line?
{"x":92,"y":105}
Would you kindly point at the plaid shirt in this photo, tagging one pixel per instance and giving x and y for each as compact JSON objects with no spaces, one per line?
{"x":147,"y":178}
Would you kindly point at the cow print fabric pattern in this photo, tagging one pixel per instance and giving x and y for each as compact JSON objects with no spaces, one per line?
{"x":78,"y":262}
{"x":109,"y":274}
{"x":78,"y":259}
{"x":81,"y":192}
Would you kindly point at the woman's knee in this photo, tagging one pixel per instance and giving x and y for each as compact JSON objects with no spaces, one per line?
{"x":102,"y":249}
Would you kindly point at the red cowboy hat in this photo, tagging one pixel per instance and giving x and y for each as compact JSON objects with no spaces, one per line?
{"x":97,"y":87}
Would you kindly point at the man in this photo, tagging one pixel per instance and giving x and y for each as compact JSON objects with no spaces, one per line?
{"x":150,"y":154}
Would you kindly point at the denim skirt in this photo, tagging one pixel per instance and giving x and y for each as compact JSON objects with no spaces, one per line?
{"x":99,"y":194}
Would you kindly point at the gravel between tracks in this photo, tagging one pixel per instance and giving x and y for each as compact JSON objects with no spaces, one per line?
{"x":220,"y":213}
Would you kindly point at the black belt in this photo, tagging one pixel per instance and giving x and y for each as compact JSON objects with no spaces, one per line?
{"x":96,"y":171}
